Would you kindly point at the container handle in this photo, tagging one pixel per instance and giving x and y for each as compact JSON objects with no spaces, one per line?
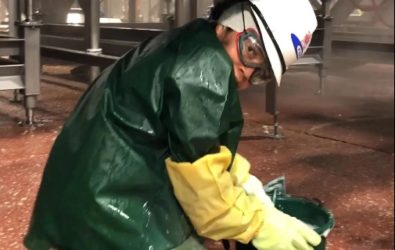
{"x":319,"y":202}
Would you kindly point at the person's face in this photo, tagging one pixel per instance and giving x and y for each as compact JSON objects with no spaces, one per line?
{"x":229,"y":40}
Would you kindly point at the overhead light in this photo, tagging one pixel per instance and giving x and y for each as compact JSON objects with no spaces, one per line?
{"x":75,"y":16}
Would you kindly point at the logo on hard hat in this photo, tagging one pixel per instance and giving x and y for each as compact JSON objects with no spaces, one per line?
{"x":301,"y":45}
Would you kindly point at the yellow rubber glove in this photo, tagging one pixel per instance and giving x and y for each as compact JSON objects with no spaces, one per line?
{"x":283,"y":232}
{"x":254,"y":187}
{"x":242,"y":178}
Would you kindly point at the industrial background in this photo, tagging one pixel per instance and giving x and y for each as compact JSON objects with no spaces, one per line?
{"x":328,"y":129}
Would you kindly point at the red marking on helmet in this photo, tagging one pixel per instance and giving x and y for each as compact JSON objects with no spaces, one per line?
{"x":306,"y":40}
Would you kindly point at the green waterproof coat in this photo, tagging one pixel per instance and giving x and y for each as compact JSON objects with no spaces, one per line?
{"x":105,"y":185}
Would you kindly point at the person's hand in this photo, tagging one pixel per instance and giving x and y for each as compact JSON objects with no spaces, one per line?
{"x":283,"y":232}
{"x":254,"y":187}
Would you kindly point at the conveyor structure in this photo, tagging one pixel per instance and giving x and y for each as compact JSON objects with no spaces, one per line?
{"x":98,"y":43}
{"x":20,"y":55}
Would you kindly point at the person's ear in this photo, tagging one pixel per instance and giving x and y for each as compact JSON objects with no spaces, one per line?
{"x":221,"y":32}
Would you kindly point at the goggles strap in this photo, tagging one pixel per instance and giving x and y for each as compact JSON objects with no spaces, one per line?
{"x":280,"y":55}
{"x":242,"y":13}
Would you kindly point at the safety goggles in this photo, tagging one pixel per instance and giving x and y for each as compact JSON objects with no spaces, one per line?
{"x":253,"y":55}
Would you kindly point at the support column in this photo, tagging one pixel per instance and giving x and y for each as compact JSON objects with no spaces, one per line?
{"x":92,"y":26}
{"x":92,"y":31}
{"x":13,"y":10}
{"x":132,"y":11}
{"x":168,"y":18}
{"x":271,"y":108}
{"x":32,"y":61}
{"x":185,"y":11}
{"x":326,"y":45}
{"x":29,"y":10}
{"x":14,"y":32}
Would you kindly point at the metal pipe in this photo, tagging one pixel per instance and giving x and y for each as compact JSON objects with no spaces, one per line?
{"x":132,"y":11}
{"x":92,"y":24}
{"x":149,"y":11}
{"x":167,"y":11}
{"x":168,"y":18}
{"x":29,"y":10}
{"x":12,"y":18}
{"x":29,"y":116}
{"x":185,"y":11}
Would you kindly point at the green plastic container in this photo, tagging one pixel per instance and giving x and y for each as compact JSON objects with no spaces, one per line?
{"x":312,"y":212}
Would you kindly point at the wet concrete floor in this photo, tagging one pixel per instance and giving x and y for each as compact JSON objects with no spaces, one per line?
{"x":338,"y":147}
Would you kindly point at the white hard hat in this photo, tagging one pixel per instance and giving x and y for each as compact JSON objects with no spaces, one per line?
{"x":286,"y":27}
